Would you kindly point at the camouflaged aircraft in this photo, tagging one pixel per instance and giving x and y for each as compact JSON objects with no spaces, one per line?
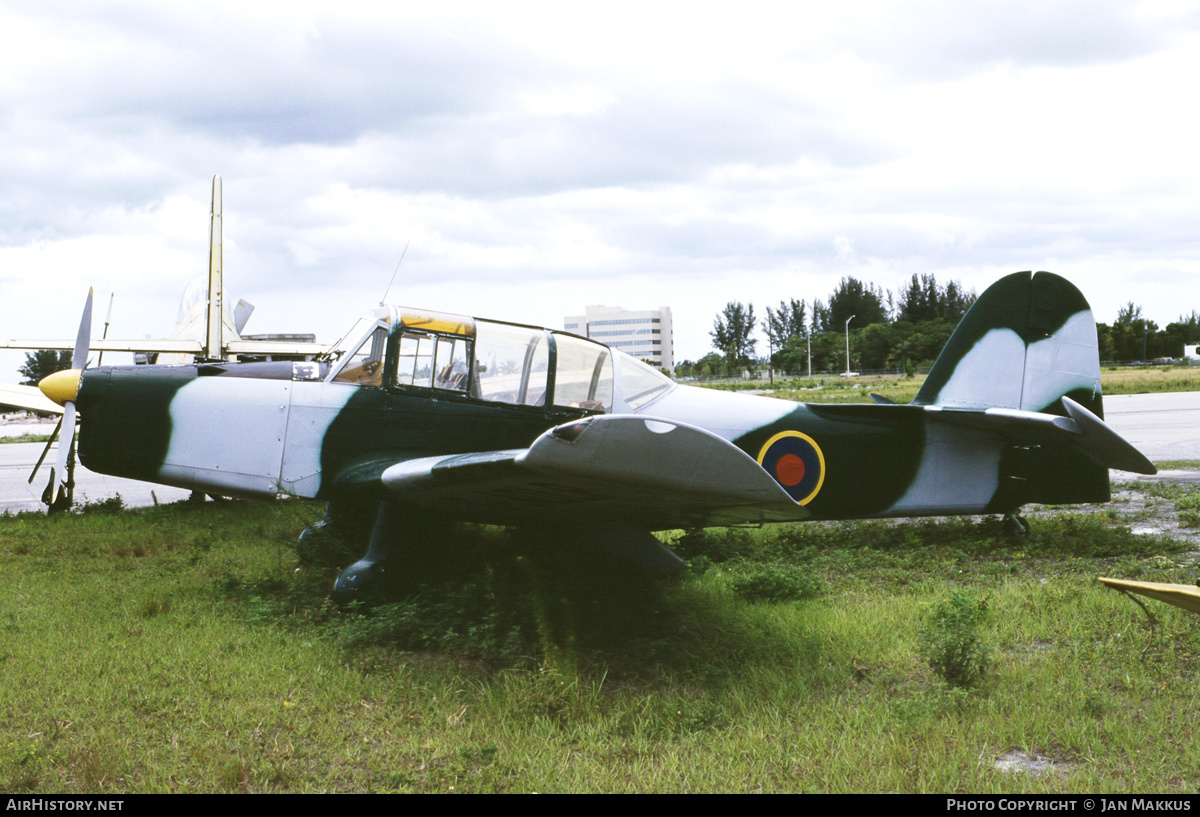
{"x":419,"y":419}
{"x":431,"y":418}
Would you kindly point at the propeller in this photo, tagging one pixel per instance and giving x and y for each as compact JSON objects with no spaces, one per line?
{"x":62,"y":388}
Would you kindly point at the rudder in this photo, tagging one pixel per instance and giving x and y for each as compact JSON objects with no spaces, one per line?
{"x":1027,"y":342}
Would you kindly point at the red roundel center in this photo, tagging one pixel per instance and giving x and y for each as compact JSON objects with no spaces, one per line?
{"x":790,"y":470}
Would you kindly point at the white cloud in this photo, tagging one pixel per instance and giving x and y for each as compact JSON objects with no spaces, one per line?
{"x":539,"y":157}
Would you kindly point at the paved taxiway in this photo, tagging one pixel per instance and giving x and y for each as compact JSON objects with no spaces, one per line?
{"x":1162,"y":426}
{"x":16,"y":494}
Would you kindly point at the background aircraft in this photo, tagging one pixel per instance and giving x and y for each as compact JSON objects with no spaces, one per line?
{"x":205,"y":331}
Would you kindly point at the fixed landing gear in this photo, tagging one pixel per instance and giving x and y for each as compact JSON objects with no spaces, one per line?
{"x":340,"y":537}
{"x":404,"y":551}
{"x":408,"y":549}
{"x":1016,"y":528}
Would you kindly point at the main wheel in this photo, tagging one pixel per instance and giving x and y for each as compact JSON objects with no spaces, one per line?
{"x":1016,"y":528}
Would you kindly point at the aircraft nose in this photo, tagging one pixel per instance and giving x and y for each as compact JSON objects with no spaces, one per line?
{"x":62,"y":387}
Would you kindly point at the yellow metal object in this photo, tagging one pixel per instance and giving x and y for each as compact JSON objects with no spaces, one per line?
{"x":62,"y":387}
{"x":437,"y":322}
{"x":1186,"y":596}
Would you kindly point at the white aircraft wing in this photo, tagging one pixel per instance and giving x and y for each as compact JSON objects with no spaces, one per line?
{"x":651,"y":473}
{"x":274,"y":347}
{"x":179,"y":346}
{"x":29,"y":398}
{"x":149,"y":345}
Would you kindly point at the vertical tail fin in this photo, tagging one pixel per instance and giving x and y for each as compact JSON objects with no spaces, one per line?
{"x":1027,"y":342}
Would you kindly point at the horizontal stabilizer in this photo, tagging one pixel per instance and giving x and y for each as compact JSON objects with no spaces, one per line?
{"x":1107,"y":446}
{"x":1185,"y":596}
{"x":1082,"y":430}
{"x":274,"y":347}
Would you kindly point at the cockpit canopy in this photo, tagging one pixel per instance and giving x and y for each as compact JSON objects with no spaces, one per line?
{"x":398,"y":348}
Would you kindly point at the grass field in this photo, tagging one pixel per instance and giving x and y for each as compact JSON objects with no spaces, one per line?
{"x":25,"y":438}
{"x":185,"y":649}
{"x":899,"y":389}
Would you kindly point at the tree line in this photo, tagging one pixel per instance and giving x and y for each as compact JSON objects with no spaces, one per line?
{"x":897,"y":332}
{"x":1134,"y":338}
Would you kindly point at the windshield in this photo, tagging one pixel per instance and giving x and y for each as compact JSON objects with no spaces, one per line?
{"x":365,"y":366}
{"x":356,"y":332}
{"x":640,"y":382}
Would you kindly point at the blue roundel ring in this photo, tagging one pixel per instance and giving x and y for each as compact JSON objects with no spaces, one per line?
{"x":795,"y":461}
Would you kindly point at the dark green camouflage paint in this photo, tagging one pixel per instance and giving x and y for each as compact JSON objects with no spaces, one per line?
{"x":871,"y":454}
{"x":127,"y":418}
{"x":378,"y":428}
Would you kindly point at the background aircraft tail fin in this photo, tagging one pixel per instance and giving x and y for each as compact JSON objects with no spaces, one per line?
{"x":1027,"y":342}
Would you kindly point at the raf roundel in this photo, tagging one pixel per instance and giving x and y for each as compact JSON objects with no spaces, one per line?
{"x":795,"y":461}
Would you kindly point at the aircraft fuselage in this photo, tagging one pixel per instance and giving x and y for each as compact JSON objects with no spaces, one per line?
{"x":262,"y":429}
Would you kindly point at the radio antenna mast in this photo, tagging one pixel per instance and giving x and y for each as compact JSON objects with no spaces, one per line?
{"x":398,"y":263}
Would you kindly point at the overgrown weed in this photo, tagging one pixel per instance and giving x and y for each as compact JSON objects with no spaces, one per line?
{"x":950,"y":639}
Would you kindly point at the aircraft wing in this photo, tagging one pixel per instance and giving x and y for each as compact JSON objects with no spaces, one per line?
{"x":274,"y":347}
{"x":178,"y":346}
{"x":163,"y":345}
{"x":29,"y":398}
{"x":651,"y":473}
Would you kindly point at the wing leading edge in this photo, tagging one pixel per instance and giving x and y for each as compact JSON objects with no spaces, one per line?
{"x":652,"y":473}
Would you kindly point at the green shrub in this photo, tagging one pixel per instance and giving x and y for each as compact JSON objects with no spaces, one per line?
{"x":109,"y":506}
{"x":1188,"y":506}
{"x":950,"y":640}
{"x":776,"y":582}
{"x":714,"y":544}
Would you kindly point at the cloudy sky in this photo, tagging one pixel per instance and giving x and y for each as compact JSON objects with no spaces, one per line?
{"x":539,"y":157}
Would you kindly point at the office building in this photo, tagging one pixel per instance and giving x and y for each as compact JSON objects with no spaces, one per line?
{"x":645,"y":334}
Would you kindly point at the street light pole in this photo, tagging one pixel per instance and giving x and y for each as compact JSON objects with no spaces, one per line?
{"x":852,"y":317}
